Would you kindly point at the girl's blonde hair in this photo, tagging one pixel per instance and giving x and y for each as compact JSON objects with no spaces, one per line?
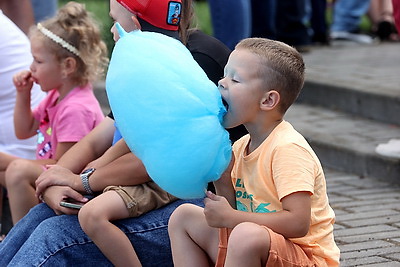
{"x":76,"y":26}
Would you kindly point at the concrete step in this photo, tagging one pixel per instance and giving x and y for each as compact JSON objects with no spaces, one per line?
{"x":99,"y":89}
{"x":381,"y":106}
{"x":347,"y":142}
{"x":361,"y":80}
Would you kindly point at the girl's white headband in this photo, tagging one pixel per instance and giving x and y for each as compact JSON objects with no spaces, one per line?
{"x":57,"y":39}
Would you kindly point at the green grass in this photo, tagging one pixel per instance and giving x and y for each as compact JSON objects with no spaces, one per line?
{"x":203,"y":17}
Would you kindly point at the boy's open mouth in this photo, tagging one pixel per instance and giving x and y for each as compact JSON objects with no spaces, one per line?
{"x":226,"y":105}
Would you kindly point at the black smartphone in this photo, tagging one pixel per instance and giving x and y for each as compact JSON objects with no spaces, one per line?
{"x":76,"y":205}
{"x":72,"y":203}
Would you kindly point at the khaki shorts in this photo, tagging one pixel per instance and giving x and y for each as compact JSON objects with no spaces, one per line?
{"x":282,"y":252}
{"x":142,"y":198}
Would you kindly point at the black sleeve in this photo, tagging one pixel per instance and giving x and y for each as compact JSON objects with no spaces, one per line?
{"x":111,"y":115}
{"x":210,"y":66}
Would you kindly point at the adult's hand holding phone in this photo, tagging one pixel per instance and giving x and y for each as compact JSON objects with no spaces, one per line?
{"x":56,"y":194}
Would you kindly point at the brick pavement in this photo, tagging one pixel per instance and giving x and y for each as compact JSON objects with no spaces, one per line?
{"x":367,"y":228}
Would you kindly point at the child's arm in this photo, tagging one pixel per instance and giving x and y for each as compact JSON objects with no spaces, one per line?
{"x":24,"y":122}
{"x":224,"y":187}
{"x":117,"y":150}
{"x":292,"y":221}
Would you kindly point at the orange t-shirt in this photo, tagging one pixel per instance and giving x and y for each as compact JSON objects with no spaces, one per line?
{"x":283,"y":164}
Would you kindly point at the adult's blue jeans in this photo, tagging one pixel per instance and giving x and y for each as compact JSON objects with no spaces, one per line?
{"x":231,"y":20}
{"x":42,"y":238}
{"x":263,"y":18}
{"x":44,"y":9}
{"x":347,"y":14}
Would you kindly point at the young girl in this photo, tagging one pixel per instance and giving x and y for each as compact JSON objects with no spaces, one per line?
{"x":68,"y":55}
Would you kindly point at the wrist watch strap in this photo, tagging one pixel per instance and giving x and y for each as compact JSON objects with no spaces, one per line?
{"x":85,"y":180}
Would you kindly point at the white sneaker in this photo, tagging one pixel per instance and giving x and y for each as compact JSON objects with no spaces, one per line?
{"x":355,"y":37}
{"x":389,"y":149}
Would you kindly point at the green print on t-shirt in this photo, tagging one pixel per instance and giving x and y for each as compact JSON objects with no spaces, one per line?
{"x":242,"y":194}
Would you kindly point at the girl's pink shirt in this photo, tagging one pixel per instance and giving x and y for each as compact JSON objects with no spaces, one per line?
{"x":67,"y":121}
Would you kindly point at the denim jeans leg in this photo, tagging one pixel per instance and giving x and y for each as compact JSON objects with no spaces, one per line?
{"x":60,"y":241}
{"x":347,"y":14}
{"x":263,"y":18}
{"x":44,"y":9}
{"x":21,"y":232}
{"x":290,"y":23}
{"x":231,"y":20}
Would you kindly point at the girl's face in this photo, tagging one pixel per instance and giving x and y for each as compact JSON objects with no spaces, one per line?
{"x":241,"y":88}
{"x":46,"y":69}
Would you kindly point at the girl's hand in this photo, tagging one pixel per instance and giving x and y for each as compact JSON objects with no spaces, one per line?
{"x":23,"y":81}
{"x":217,"y":211}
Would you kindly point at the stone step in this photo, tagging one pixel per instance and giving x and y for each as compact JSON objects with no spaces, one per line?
{"x":99,"y":90}
{"x":380,"y":106}
{"x":347,"y":142}
{"x":360,"y":80}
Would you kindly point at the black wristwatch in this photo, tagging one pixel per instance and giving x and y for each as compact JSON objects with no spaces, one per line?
{"x":85,"y":180}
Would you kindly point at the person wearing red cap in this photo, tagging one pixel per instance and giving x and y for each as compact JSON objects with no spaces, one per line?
{"x":41,"y":237}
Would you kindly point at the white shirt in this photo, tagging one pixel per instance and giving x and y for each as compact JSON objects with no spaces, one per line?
{"x":15,"y":56}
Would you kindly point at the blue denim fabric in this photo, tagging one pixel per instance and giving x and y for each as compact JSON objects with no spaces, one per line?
{"x":347,"y":14}
{"x":263,"y":18}
{"x":44,"y":9}
{"x":42,"y":238}
{"x":231,"y":20}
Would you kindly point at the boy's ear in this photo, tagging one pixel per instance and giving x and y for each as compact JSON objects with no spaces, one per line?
{"x":137,"y":23}
{"x":270,"y":100}
{"x":69,"y":65}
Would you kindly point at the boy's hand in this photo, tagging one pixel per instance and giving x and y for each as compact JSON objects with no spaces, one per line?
{"x":23,"y":81}
{"x":217,"y":211}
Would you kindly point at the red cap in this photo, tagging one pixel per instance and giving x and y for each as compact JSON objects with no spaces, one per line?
{"x":164,"y":14}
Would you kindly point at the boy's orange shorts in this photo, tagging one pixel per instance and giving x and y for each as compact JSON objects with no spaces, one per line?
{"x":282,"y":252}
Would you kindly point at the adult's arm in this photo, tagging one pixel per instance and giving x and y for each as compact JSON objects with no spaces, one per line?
{"x":20,"y":12}
{"x":90,"y":147}
{"x":72,"y":162}
{"x":125,"y":170}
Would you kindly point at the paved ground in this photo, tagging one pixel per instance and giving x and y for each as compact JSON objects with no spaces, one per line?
{"x":367,"y":228}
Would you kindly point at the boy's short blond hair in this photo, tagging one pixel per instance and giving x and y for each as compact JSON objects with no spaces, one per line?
{"x":281,"y":65}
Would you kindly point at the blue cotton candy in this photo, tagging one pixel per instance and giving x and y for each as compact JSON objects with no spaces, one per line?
{"x":168,"y":112}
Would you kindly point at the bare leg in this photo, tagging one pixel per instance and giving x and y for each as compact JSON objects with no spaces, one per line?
{"x":5,"y":160}
{"x":248,"y":245}
{"x":95,"y":218}
{"x":193,"y":242}
{"x":21,"y":175}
